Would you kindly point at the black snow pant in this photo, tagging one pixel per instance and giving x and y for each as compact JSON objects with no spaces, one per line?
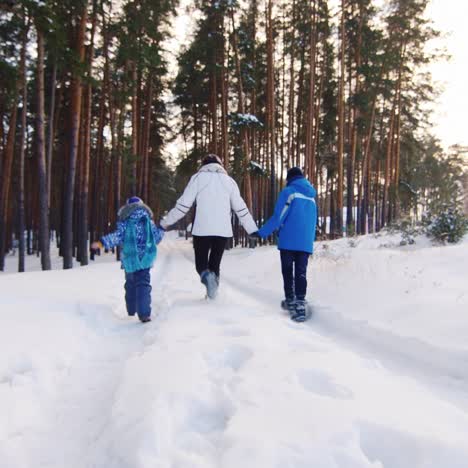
{"x":294,"y":269}
{"x":208,"y":253}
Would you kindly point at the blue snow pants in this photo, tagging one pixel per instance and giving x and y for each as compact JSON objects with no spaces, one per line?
{"x":138,"y":293}
{"x":294,"y":269}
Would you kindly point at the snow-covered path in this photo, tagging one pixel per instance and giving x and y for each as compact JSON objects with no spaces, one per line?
{"x":224,"y":384}
{"x":79,"y":415}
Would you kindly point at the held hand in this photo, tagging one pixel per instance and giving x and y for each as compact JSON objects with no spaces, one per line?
{"x":253,"y":239}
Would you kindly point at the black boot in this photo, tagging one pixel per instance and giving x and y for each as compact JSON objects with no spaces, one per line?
{"x":288,"y":304}
{"x":300,"y":311}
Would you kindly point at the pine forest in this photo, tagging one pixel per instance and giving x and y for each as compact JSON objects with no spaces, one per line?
{"x":97,"y":105}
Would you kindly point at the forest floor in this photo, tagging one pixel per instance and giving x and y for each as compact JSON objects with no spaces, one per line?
{"x":377,"y":378}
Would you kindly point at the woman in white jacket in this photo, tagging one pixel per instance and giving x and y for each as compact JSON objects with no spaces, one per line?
{"x":216,"y":195}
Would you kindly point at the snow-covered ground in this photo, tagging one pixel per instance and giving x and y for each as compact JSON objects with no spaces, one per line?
{"x":378,"y":378}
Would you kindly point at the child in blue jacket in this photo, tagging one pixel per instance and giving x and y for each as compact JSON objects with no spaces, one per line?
{"x":138,"y":236}
{"x":295,"y":219}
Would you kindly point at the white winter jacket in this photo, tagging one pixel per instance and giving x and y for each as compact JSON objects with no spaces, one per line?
{"x":216,"y":195}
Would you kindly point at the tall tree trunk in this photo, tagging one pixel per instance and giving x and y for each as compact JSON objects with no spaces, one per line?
{"x":341,"y":126}
{"x":224,"y":107}
{"x":299,"y":110}
{"x":309,"y":144}
{"x":44,"y":231}
{"x":241,"y":110}
{"x":95,"y":228}
{"x":396,"y":213}
{"x":6,"y":177}
{"x":55,"y":215}
{"x":365,"y":183}
{"x":271,"y":104}
{"x":134,"y":182}
{"x":24,"y":113}
{"x":283,"y":149}
{"x":114,"y":151}
{"x":84,"y":189}
{"x":83,"y":218}
{"x":292,"y":94}
{"x":397,"y":146}
{"x":51,"y":131}
{"x":119,"y":144}
{"x":388,"y":166}
{"x":75,"y":118}
{"x":146,"y":140}
{"x":213,"y":95}
{"x":315,"y":141}
{"x":2,"y":135}
{"x":355,"y":114}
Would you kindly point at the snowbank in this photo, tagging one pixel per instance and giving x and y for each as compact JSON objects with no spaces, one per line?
{"x":417,"y":291}
{"x":378,"y":378}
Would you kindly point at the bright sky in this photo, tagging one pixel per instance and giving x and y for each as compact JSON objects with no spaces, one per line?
{"x":450,"y":118}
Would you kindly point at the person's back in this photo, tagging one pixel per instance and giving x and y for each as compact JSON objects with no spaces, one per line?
{"x":298,"y":225}
{"x":213,"y":201}
{"x":295,"y":219}
{"x":216,"y":196}
{"x":138,"y":237}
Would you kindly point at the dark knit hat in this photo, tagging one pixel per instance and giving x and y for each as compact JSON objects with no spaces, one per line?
{"x":134,"y":200}
{"x":294,"y":172}
{"x":212,"y":159}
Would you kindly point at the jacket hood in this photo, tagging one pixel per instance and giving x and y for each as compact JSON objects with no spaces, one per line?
{"x":302,"y":185}
{"x":212,"y":167}
{"x":134,"y":211}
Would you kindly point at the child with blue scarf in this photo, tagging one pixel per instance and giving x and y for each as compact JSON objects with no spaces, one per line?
{"x":138,"y":236}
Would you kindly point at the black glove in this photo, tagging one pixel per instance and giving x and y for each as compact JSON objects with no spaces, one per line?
{"x":95,"y":249}
{"x":158,"y":225}
{"x":255,"y":235}
{"x":93,"y":253}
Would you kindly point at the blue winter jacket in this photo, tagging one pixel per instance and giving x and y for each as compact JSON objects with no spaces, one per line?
{"x":139,"y":217}
{"x":295,"y":217}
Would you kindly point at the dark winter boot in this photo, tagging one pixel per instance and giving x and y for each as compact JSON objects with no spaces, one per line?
{"x":288,"y":304}
{"x":300,"y":311}
{"x":208,"y":278}
{"x":145,"y":319}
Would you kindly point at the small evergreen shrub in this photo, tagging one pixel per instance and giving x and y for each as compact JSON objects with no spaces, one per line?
{"x":408,"y":229}
{"x":448,"y":225}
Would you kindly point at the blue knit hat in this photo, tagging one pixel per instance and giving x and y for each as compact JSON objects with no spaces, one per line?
{"x":294,"y":172}
{"x":134,"y":200}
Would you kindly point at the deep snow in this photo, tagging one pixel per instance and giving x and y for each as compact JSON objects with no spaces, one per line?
{"x":378,"y":377}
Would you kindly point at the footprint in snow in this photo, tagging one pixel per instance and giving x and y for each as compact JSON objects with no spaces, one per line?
{"x":236,"y":332}
{"x":407,"y":450}
{"x":206,"y":417}
{"x":305,"y":346}
{"x":223,"y":321}
{"x":319,"y":382}
{"x":17,"y":371}
{"x":234,"y":357}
